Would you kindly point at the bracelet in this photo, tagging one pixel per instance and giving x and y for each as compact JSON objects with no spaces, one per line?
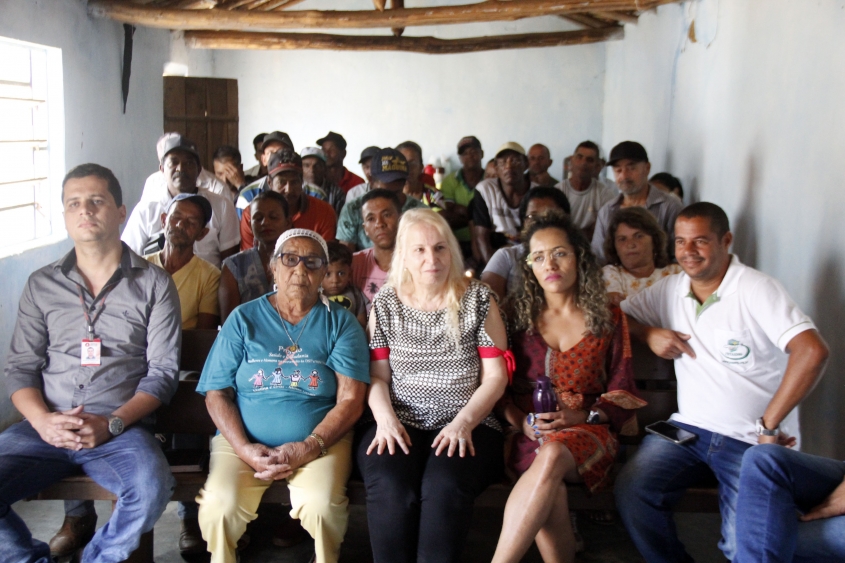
{"x":320,"y":442}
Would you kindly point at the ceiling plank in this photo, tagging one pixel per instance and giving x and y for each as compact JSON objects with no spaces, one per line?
{"x":243,"y":20}
{"x":287,"y":4}
{"x":585,"y":20}
{"x":617,"y":16}
{"x":429,"y":45}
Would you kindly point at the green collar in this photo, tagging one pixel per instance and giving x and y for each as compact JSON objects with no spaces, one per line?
{"x":701,"y":307}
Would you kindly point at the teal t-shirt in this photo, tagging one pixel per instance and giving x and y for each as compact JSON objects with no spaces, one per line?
{"x":282,"y":395}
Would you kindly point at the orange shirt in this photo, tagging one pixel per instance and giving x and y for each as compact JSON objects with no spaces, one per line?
{"x":318,"y":217}
{"x":349,"y":180}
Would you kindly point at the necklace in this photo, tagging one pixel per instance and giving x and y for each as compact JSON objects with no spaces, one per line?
{"x":294,"y":344}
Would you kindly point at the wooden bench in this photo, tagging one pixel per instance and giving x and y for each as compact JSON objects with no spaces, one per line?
{"x":187,"y":414}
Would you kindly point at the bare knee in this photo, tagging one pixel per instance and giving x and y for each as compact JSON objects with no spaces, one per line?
{"x":554,"y":461}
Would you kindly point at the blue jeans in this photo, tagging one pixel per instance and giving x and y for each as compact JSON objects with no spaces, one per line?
{"x":776,"y":483}
{"x":130,"y":465}
{"x":655,"y":479}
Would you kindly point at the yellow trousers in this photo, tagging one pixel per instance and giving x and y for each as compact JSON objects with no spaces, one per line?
{"x":230,"y":497}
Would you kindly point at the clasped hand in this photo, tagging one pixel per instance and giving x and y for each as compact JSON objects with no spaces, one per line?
{"x":73,"y":430}
{"x":547,"y":422}
{"x":274,"y":464}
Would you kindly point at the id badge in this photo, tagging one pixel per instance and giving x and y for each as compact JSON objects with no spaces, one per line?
{"x":90,"y":352}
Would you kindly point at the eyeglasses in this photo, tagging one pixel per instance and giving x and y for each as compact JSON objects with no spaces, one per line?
{"x":538,"y":258}
{"x":292,"y":261}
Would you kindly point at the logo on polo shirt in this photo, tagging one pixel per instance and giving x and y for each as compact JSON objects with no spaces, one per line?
{"x":735,"y":352}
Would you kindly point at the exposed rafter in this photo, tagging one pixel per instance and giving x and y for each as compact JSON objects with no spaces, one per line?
{"x":430,"y":45}
{"x":242,"y":19}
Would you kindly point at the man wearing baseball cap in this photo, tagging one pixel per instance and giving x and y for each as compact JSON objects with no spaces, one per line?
{"x":630,"y":165}
{"x":389,"y":171}
{"x":458,"y":189}
{"x":180,"y":165}
{"x":334,"y":147}
{"x":271,"y":143}
{"x":155,"y":186}
{"x":317,"y":183}
{"x":366,"y":159}
{"x":306,"y":212}
{"x":494,"y":211}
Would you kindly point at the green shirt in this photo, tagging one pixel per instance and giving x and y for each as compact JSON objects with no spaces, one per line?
{"x":455,"y":190}
{"x":350,"y":225}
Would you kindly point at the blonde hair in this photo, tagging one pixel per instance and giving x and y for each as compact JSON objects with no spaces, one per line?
{"x":456,"y":284}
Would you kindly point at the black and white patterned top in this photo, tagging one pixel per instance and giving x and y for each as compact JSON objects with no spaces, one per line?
{"x":432,"y":377}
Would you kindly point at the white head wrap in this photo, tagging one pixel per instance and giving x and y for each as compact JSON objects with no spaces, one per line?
{"x":294,"y":233}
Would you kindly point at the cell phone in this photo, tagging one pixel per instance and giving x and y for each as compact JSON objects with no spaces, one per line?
{"x":669,"y":431}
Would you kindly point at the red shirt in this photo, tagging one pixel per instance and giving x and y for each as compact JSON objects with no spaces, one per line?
{"x":319,"y":217}
{"x":349,"y":180}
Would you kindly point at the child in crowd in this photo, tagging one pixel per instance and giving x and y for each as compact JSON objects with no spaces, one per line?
{"x":337,"y":286}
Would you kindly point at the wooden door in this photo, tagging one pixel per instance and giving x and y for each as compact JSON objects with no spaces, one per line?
{"x":205,"y":110}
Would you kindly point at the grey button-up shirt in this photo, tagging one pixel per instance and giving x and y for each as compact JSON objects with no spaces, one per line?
{"x":138,"y":322}
{"x":664,"y":207}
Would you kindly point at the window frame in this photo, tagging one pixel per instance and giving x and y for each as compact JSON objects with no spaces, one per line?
{"x":55,"y":146}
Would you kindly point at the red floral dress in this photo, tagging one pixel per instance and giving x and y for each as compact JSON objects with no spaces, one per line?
{"x":595,"y":373}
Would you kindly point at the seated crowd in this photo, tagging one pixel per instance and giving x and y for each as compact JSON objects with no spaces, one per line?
{"x":356,"y":339}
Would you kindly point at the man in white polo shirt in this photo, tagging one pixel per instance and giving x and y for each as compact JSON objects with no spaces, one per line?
{"x":745,"y":356}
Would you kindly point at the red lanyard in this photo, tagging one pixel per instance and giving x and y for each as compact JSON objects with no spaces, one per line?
{"x":90,"y":322}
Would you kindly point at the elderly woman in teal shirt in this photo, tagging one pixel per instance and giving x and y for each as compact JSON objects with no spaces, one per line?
{"x":284,"y":383}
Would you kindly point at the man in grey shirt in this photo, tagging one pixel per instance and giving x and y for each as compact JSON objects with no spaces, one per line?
{"x":629,"y":161}
{"x":94,"y":353}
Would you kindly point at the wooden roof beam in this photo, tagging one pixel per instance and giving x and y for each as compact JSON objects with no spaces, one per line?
{"x":585,"y":20}
{"x":429,"y":45}
{"x":616,"y":17}
{"x":244,"y":20}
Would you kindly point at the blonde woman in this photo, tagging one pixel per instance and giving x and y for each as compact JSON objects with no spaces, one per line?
{"x":436,"y":366}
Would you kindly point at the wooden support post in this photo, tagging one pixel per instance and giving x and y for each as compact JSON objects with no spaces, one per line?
{"x":257,"y":20}
{"x":397,"y":5}
{"x":430,"y":45}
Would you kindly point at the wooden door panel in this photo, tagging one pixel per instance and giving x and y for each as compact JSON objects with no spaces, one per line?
{"x":205,"y":110}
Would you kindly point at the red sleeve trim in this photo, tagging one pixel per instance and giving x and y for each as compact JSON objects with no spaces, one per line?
{"x":379,"y":354}
{"x":493,"y":352}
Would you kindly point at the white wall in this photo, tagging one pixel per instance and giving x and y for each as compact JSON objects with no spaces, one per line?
{"x":96,"y":130}
{"x":552,"y":96}
{"x":752,"y":119}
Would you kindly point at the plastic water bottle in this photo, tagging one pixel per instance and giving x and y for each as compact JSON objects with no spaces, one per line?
{"x":545,"y":398}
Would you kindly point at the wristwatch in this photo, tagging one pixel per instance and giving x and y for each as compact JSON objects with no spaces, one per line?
{"x":116,"y":425}
{"x":594,"y":417}
{"x":763,"y":431}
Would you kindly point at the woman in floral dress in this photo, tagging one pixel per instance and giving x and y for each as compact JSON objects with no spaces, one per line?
{"x":565,"y":329}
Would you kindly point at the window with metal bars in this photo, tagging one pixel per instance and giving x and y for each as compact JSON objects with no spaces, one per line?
{"x":29,"y":189}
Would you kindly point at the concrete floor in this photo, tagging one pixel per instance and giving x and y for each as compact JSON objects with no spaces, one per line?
{"x":605,"y":543}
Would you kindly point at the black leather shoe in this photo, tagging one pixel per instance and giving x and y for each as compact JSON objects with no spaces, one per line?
{"x":190,"y":539}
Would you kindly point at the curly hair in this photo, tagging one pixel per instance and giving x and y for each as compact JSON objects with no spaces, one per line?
{"x":636,"y":218}
{"x":525,"y":306}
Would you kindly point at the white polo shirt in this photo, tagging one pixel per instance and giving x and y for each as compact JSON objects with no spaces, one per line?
{"x":156,"y":186}
{"x":144,"y":224}
{"x":739,"y":336}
